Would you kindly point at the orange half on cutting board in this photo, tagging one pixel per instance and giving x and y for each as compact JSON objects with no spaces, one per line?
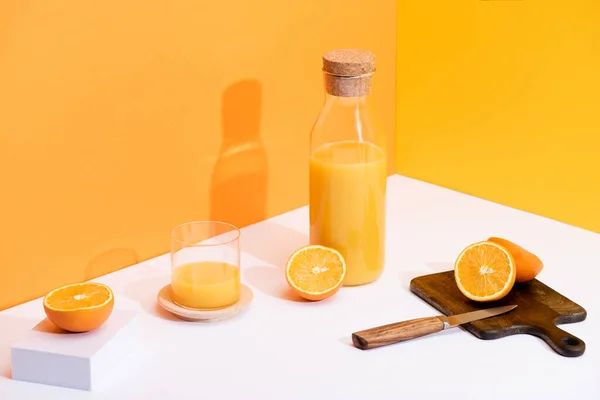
{"x":79,"y":307}
{"x":485,"y":271}
{"x":315,"y":272}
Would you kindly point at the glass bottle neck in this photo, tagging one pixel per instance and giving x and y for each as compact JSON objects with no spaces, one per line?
{"x":350,"y":108}
{"x":346,"y":102}
{"x":344,"y":119}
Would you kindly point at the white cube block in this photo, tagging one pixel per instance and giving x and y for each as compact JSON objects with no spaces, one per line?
{"x":49,"y":355}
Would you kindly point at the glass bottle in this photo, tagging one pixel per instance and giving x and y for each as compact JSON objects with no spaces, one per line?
{"x":348,"y":168}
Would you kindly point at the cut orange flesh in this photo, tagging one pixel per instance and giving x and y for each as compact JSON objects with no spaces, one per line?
{"x":315,"y":272}
{"x":79,"y":307}
{"x":485,"y":271}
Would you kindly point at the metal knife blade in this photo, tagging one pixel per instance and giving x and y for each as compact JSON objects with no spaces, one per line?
{"x":459,"y":319}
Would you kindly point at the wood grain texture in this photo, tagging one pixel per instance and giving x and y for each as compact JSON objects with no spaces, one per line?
{"x":540,"y":309}
{"x":396,"y":332}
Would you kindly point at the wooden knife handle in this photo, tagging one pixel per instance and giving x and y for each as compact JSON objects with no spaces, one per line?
{"x":396,"y":332}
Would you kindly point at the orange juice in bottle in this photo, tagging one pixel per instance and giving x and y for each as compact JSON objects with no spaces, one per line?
{"x":348,"y":168}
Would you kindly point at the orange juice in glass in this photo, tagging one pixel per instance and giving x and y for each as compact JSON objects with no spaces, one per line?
{"x":348,"y":169}
{"x":205,"y":265}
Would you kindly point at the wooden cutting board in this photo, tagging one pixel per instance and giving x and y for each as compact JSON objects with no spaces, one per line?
{"x":539,"y":310}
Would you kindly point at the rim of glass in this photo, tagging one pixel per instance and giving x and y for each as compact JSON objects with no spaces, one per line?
{"x":205,"y":222}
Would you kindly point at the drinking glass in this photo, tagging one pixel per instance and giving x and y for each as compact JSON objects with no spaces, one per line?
{"x":205,"y":265}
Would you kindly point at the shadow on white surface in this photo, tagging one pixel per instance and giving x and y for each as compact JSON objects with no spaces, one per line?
{"x":11,"y":330}
{"x":47,"y":326}
{"x":347,"y":340}
{"x":407,"y":276}
{"x":433,"y":268}
{"x":436,"y":266}
{"x":145,"y":291}
{"x":271,"y":242}
{"x":271,"y":281}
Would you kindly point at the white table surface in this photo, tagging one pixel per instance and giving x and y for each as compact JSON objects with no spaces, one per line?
{"x":281,"y":348}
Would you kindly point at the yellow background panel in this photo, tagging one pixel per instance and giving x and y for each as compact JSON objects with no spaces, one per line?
{"x":501,"y":100}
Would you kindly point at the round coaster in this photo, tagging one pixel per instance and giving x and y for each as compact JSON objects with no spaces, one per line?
{"x":190,"y":314}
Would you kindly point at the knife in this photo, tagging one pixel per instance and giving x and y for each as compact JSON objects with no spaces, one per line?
{"x":414,"y":328}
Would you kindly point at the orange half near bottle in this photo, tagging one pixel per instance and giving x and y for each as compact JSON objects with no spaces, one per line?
{"x":348,"y":169}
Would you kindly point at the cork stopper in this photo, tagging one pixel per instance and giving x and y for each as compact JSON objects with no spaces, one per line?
{"x":348,"y":72}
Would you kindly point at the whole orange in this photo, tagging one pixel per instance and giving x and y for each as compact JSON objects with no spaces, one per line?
{"x":528,"y":264}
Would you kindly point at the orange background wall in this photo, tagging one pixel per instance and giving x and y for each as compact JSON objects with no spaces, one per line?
{"x":120,"y":119}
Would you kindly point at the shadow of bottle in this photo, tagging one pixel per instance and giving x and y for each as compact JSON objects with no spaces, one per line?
{"x":239,"y":179}
{"x":10,"y":13}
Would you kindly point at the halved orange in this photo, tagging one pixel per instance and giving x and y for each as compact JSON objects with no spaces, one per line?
{"x":315,"y":272}
{"x":79,"y":307}
{"x":485,"y":271}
